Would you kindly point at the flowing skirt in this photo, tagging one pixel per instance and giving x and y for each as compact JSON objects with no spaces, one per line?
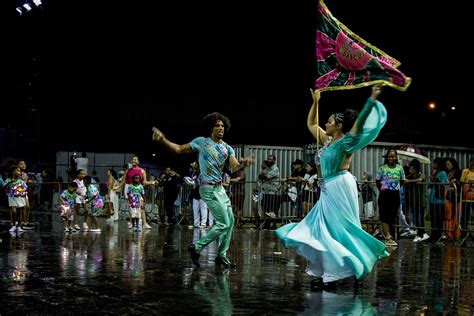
{"x":331,"y":238}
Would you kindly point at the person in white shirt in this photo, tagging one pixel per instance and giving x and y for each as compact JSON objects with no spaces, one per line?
{"x":309,"y":187}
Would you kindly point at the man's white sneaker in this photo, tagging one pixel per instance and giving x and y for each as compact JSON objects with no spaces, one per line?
{"x":405,"y":233}
{"x":425,"y":237}
{"x":85,"y":227}
{"x":12,"y":229}
{"x":417,"y":239}
{"x":146,"y":226}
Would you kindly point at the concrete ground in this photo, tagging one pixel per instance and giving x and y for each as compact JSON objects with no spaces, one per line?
{"x":118,"y":271}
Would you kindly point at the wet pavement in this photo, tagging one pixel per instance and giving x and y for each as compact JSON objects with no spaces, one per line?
{"x":118,"y":271}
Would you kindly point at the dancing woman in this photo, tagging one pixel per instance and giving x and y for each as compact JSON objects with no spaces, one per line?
{"x":330,"y":237}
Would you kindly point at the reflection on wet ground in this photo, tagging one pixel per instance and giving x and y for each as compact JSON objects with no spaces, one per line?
{"x":123,"y":272}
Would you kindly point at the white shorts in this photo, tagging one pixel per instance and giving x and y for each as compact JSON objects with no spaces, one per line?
{"x":135,"y":212}
{"x":80,"y":199}
{"x":16,"y":201}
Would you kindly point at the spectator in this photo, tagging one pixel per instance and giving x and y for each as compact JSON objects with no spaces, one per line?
{"x":415,"y":199}
{"x":452,"y":199}
{"x":170,"y":190}
{"x":368,"y":192}
{"x":437,"y":198}
{"x":200,"y":210}
{"x":297,"y":175}
{"x":270,"y":178}
{"x":390,"y":178}
{"x":309,"y":188}
{"x":467,"y":181}
{"x":237,"y":180}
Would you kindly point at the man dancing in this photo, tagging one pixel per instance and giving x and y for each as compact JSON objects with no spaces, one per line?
{"x":213,"y":153}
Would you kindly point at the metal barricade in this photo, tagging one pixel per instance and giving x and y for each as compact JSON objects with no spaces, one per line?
{"x":153,"y":204}
{"x":467,"y":207}
{"x":433,"y":207}
{"x":184,"y":205}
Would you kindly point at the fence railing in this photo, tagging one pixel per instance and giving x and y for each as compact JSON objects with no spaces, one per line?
{"x":442,"y":208}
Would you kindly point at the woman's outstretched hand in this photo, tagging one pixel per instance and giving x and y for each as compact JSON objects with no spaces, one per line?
{"x":376,"y":90}
{"x":157,"y":134}
{"x":316,"y":95}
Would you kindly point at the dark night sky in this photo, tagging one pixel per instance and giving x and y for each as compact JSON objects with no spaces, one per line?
{"x":117,"y":69}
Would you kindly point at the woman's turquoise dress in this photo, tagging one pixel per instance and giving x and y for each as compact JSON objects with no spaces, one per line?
{"x":330,"y":237}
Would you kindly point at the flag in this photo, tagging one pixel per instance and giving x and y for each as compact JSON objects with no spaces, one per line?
{"x":345,"y":61}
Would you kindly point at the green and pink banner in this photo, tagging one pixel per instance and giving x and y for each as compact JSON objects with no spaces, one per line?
{"x":345,"y":61}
